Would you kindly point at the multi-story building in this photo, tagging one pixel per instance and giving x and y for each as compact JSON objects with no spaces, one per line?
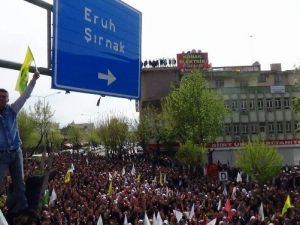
{"x":260,"y":103}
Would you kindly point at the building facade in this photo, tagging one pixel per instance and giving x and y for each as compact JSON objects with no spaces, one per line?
{"x":260,"y":103}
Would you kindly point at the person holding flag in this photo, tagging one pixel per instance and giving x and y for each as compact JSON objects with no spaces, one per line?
{"x":11,"y":157}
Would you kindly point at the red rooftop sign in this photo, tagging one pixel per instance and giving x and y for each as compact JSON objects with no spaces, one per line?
{"x":191,"y":61}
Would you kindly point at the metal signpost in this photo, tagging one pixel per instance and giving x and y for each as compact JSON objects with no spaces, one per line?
{"x":97,"y":47}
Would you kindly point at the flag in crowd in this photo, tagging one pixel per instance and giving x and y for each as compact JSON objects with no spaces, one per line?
{"x":212,"y":222}
{"x":53,"y":197}
{"x":161,"y":182}
{"x":123,"y":171}
{"x":239,"y":177}
{"x":192,"y":213}
{"x":23,"y":77}
{"x":67,"y":177}
{"x":287,"y":205}
{"x":110,"y":188}
{"x":261,"y":212}
{"x":133,"y":170}
{"x":178,"y":215}
{"x":100,"y":221}
{"x":125,"y":220}
{"x":2,"y":219}
{"x":146,"y":220}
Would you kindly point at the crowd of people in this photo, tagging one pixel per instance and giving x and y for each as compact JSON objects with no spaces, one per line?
{"x":119,"y":191}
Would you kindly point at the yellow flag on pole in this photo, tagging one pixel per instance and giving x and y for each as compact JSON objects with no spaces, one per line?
{"x":23,"y":75}
{"x":161,"y":182}
{"x":110,"y":188}
{"x":67,"y":177}
{"x":287,"y":205}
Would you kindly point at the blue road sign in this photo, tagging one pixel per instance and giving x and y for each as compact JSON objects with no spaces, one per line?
{"x":97,"y":47}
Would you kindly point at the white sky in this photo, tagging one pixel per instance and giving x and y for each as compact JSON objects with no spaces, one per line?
{"x":221,"y":28}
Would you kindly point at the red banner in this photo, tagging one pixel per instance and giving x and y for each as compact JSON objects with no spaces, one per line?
{"x":190,"y":61}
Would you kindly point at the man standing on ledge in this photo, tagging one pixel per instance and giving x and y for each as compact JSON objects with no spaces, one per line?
{"x":11,"y":156}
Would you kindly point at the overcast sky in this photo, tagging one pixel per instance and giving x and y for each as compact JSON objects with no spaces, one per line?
{"x":233,"y":32}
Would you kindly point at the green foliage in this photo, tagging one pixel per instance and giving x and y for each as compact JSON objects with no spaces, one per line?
{"x":55,"y":138}
{"x":259,"y":160}
{"x":113,"y":134}
{"x":28,"y":130}
{"x":151,"y":126}
{"x":193,"y":111}
{"x":190,"y":153}
{"x":75,"y":135}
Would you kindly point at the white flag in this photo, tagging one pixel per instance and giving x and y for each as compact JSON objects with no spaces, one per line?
{"x":109,"y":176}
{"x":53,"y":197}
{"x":125,"y":220}
{"x":123,"y":171}
{"x":153,"y":219}
{"x":87,"y":161}
{"x":225,"y":191}
{"x":261,"y":212}
{"x":219,"y":205}
{"x":133,"y":170}
{"x":2,"y":219}
{"x":72,"y":168}
{"x":239,"y":177}
{"x":178,"y":215}
{"x":146,"y":220}
{"x":159,"y":219}
{"x":192,"y":213}
{"x":165,"y":178}
{"x":233,"y":194}
{"x":100,"y":221}
{"x":212,"y":222}
{"x":204,"y":171}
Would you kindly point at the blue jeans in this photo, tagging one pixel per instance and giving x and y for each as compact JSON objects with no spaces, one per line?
{"x":13,"y":161}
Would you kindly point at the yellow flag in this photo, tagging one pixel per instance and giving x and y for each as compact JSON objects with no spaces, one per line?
{"x":138,"y":179}
{"x":110,"y":188}
{"x":161,"y":179}
{"x":23,"y":75}
{"x":287,"y":205}
{"x":67,"y":178}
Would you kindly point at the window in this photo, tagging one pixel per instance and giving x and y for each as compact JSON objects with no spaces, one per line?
{"x":262,"y":127}
{"x":244,"y":129}
{"x":227,"y":104}
{"x":261,"y":78}
{"x":269,"y":103}
{"x":279,"y":127}
{"x":219,"y":83}
{"x":296,"y":126}
{"x":236,"y":129}
{"x":233,"y":105}
{"x":271,"y":128}
{"x":278,"y":79}
{"x":253,"y":129}
{"x":251,"y":104}
{"x":244,"y":83}
{"x":227,"y":129}
{"x":243,"y":105}
{"x":277,"y":103}
{"x":260,"y":104}
{"x":288,"y":126}
{"x":286,"y":103}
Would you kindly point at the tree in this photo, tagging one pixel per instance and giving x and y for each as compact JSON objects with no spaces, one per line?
{"x":151,"y":127}
{"x":191,"y":155}
{"x":54,"y":137}
{"x":113,"y":134}
{"x":28,"y":131}
{"x":193,"y":111}
{"x":92,"y":138}
{"x":42,"y":117}
{"x":259,"y":160}
{"x":75,"y":136}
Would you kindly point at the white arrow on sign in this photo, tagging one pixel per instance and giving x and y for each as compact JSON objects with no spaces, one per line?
{"x":109,"y":77}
